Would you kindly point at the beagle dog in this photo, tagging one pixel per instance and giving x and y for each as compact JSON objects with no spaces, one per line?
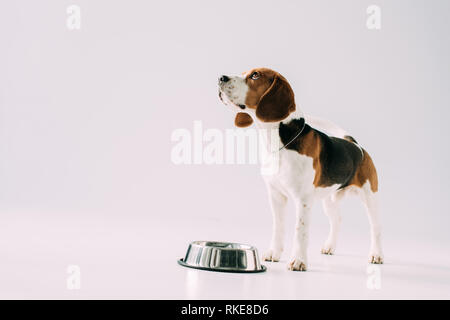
{"x":312,"y":164}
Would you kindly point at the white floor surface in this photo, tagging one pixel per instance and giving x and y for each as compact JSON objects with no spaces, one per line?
{"x":136,"y":259}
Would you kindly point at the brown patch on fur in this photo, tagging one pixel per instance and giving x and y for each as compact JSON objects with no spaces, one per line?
{"x":242,"y":120}
{"x":270,"y":94}
{"x":257,"y":88}
{"x":309,"y":145}
{"x":366,"y":171}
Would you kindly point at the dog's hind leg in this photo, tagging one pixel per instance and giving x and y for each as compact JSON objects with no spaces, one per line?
{"x":369,"y":199}
{"x":278,"y":203}
{"x":331,"y":209}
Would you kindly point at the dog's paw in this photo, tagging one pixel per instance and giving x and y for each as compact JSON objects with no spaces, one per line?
{"x":272,"y":255}
{"x":297,"y":265}
{"x":376,"y":258}
{"x":327,"y":249}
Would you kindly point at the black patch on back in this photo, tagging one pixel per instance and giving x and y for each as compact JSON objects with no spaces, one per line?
{"x":350,"y":138}
{"x":339,"y":158}
{"x":290,"y":130}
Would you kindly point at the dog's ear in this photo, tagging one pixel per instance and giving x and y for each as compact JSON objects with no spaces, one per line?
{"x":277,"y":102}
{"x":242,"y":120}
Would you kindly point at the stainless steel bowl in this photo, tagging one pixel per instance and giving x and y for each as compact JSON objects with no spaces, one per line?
{"x":222,"y":256}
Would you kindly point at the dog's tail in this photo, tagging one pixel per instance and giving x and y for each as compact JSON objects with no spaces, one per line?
{"x":329,"y":128}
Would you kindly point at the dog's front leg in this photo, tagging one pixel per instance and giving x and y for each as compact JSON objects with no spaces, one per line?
{"x":299,"y":260}
{"x":278,"y":206}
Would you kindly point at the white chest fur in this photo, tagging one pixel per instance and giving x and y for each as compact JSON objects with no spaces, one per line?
{"x":292,"y":174}
{"x":288,"y":171}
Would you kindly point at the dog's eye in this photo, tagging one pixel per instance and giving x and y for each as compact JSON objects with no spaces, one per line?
{"x":255,"y":76}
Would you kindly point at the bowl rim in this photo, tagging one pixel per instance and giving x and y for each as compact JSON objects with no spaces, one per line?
{"x":205,"y":244}
{"x":228,"y":270}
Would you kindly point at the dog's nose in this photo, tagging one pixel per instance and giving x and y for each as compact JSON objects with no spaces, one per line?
{"x":224,"y":79}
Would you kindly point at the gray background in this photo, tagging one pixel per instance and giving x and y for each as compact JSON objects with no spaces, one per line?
{"x":86,"y":116}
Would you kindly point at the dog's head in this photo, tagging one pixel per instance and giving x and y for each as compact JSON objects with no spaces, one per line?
{"x":261,"y":92}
